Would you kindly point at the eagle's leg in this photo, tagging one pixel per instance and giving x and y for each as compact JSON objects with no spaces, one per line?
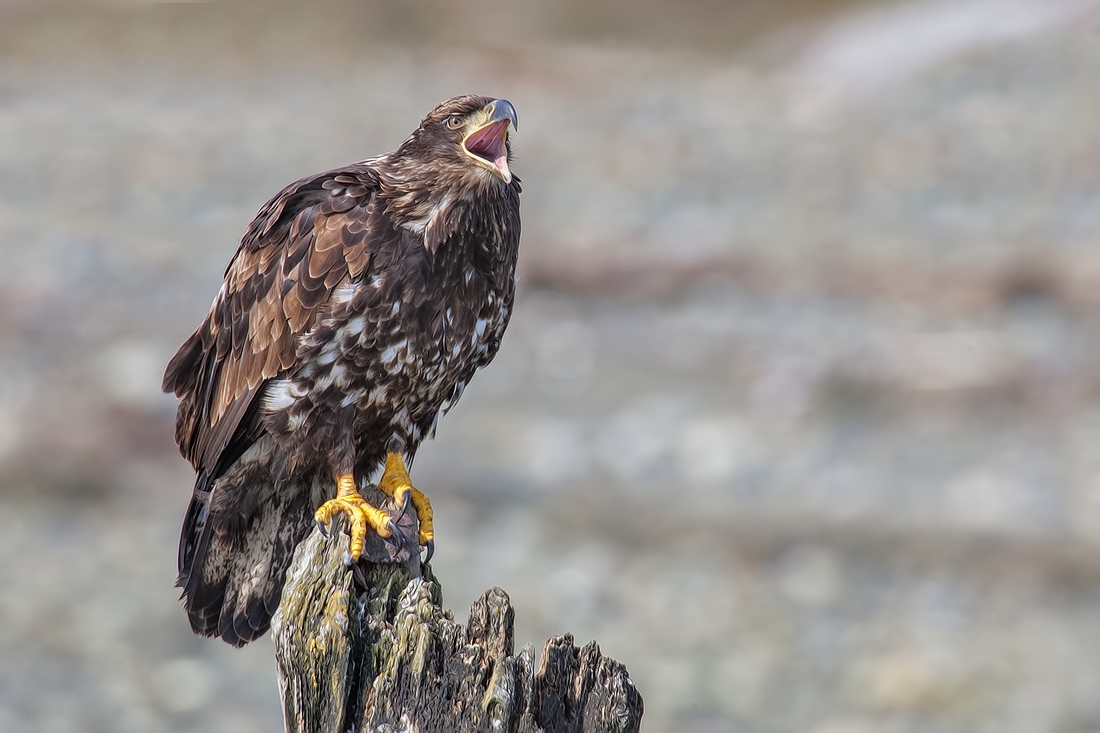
{"x":395,"y":482}
{"x":359,"y":512}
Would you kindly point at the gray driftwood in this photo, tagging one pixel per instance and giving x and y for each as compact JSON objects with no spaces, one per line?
{"x":377,"y":652}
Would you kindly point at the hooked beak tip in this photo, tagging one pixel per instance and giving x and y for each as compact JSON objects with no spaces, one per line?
{"x":504,"y":110}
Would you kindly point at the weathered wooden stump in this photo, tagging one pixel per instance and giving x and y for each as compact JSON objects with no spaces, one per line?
{"x":371,"y":649}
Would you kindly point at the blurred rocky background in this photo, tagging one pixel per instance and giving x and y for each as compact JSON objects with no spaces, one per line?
{"x":799,"y":412}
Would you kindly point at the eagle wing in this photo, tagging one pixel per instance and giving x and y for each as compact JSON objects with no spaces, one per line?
{"x":302,"y":245}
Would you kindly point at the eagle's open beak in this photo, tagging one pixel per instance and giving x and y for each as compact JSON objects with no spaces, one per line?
{"x":487,"y":143}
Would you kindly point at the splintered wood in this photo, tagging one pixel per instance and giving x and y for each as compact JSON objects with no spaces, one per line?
{"x":375,"y":651}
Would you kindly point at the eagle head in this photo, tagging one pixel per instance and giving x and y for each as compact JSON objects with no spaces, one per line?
{"x":467,"y":132}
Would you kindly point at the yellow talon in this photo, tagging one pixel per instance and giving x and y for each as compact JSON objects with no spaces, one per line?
{"x":396,"y":483}
{"x":358,"y":511}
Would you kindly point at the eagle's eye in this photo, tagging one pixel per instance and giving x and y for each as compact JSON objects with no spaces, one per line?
{"x":454,"y":122}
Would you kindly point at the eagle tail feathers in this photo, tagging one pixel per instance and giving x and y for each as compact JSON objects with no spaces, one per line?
{"x":234,"y":554}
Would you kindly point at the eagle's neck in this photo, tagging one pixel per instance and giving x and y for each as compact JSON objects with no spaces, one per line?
{"x":435,"y":199}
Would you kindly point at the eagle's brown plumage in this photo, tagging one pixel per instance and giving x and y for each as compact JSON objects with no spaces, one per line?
{"x":357,"y":307}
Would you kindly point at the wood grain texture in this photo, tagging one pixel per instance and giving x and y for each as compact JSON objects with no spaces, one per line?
{"x":379,"y":653}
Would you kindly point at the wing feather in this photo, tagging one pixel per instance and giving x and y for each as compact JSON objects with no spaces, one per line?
{"x":303,"y":244}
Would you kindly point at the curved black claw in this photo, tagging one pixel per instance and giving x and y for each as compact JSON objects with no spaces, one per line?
{"x":395,"y":534}
{"x":404,"y":504}
{"x":322,"y":529}
{"x":431,"y":551}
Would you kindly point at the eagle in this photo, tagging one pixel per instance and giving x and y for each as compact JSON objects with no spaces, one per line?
{"x":356,"y":309}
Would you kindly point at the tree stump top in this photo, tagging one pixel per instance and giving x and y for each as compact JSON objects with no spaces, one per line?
{"x":370,"y":648}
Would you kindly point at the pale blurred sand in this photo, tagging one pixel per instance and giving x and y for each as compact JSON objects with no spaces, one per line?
{"x":798,"y":414}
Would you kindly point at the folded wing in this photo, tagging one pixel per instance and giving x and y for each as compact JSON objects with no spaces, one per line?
{"x":303,"y":244}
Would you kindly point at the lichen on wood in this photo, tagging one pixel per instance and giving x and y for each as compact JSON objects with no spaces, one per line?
{"x":370,"y":648}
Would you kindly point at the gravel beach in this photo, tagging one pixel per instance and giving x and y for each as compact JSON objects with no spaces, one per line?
{"x":799,"y":411}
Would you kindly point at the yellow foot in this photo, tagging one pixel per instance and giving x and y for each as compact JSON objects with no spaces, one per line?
{"x":361,"y":514}
{"x":395,"y":482}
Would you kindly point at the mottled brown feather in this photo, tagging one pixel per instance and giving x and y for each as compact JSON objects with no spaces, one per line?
{"x":304,"y":243}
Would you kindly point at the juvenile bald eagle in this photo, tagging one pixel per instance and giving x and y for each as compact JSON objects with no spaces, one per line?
{"x":356,"y":309}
